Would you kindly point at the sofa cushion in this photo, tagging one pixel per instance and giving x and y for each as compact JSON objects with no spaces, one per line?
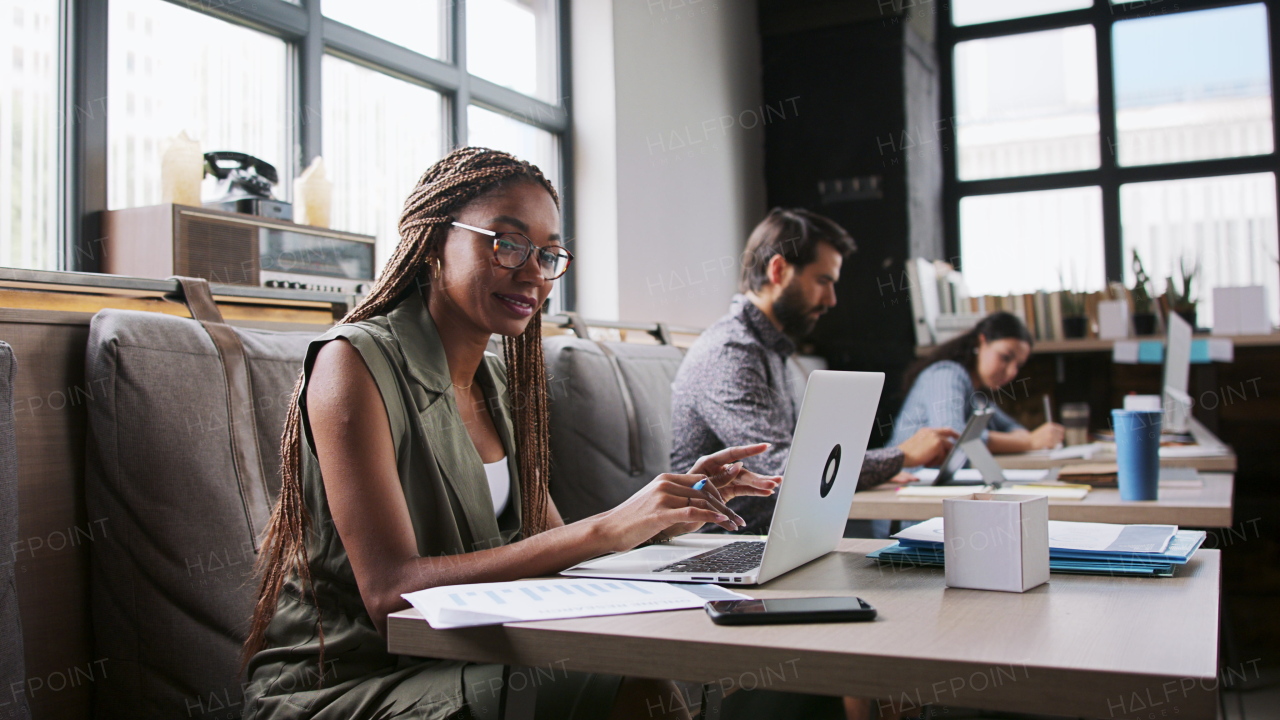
{"x":610,"y":406}
{"x":12,"y":665}
{"x":171,"y":580}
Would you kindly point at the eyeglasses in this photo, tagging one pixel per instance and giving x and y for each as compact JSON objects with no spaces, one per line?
{"x":512,"y":251}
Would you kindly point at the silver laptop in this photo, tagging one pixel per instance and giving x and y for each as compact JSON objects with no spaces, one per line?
{"x":813,"y":499}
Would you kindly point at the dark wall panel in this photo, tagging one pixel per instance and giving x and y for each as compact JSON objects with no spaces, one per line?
{"x":852,"y":116}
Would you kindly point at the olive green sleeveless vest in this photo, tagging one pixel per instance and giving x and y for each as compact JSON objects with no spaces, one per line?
{"x":451,"y":510}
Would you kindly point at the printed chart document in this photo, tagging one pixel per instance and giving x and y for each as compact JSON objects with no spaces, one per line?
{"x":456,"y":606}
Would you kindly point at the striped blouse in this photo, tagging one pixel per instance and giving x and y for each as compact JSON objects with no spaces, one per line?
{"x":944,"y":396}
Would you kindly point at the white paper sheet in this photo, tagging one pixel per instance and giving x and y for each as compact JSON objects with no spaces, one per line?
{"x":929,"y":475}
{"x":941,"y":490}
{"x":456,"y":606}
{"x":1065,"y":535}
{"x":1084,"y":452}
{"x":1056,"y":492}
{"x":1192,"y":451}
{"x":1065,"y":492}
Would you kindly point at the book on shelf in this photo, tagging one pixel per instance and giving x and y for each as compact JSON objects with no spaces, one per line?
{"x":943,"y":308}
{"x":922,"y":283}
{"x":1055,"y":316}
{"x":937,"y":290}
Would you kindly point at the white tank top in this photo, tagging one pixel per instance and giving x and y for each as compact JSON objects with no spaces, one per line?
{"x":499,"y":484}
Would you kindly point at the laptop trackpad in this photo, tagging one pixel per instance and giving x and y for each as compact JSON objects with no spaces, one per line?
{"x":642,"y":560}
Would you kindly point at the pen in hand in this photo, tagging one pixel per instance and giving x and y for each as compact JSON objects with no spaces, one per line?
{"x":712,"y":496}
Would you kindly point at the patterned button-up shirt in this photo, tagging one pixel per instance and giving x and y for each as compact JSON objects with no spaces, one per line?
{"x":734,"y":388}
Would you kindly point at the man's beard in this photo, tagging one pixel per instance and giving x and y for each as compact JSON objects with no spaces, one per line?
{"x":797,"y":318}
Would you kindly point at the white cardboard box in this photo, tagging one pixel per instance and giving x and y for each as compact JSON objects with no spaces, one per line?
{"x":1113,"y":319}
{"x":996,"y":542}
{"x":1240,"y":311}
{"x":1144,"y":402}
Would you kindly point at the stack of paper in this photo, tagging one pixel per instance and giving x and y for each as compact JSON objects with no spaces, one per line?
{"x":1074,"y":547}
{"x":1057,"y":491}
{"x":456,"y":606}
{"x":1084,"y":452}
{"x":970,"y":475}
{"x":1192,"y":451}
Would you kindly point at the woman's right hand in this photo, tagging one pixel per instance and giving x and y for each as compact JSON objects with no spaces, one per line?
{"x":1047,"y":436}
{"x":928,"y":446}
{"x":668,"y":506}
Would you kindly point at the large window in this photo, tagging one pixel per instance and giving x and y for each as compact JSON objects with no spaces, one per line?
{"x":510,"y":42}
{"x":1223,"y":227}
{"x":1060,"y":232}
{"x":381,"y":134}
{"x":418,"y":25}
{"x":491,"y":129}
{"x":1027,"y":104}
{"x":1087,"y":129}
{"x":29,"y":126}
{"x":172,"y":71}
{"x":379,"y":88}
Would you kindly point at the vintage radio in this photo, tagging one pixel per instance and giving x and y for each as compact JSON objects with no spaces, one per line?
{"x":235,"y":249}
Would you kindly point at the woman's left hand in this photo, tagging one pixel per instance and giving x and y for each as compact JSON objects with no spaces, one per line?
{"x":729,"y":477}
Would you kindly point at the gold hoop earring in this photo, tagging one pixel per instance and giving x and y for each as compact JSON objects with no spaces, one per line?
{"x":435,"y":268}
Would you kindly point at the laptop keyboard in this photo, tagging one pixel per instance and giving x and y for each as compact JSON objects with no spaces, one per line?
{"x":736,"y":557}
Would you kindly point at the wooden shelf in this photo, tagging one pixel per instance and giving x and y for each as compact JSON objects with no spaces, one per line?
{"x":1084,"y":345}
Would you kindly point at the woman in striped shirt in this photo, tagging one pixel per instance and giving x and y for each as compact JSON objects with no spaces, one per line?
{"x":959,"y":376}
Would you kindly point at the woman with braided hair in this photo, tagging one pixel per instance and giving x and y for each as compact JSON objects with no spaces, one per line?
{"x":413,"y":459}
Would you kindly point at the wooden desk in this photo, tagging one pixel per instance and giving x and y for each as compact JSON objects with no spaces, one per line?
{"x":1040,"y":460}
{"x":1204,"y":507}
{"x":1083,"y":646}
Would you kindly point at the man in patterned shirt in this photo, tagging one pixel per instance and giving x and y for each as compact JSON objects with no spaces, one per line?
{"x":734,"y":388}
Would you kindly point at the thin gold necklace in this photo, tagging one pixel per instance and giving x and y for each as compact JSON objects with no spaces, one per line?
{"x":463,"y":387}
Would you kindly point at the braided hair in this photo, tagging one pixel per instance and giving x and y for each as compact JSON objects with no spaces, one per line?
{"x":459,"y":178}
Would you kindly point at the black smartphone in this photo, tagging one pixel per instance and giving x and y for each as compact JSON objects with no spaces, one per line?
{"x":790,"y":610}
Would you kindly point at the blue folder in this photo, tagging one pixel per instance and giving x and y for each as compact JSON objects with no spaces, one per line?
{"x":1183,"y":545}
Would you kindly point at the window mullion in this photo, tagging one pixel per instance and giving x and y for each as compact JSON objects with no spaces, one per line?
{"x":1108,"y":138}
{"x":85,"y":168}
{"x":1273,"y":23}
{"x":310,"y":109}
{"x":462,"y":97}
{"x":950,"y":162}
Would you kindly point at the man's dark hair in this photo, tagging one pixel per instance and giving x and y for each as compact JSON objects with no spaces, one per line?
{"x":794,"y":234}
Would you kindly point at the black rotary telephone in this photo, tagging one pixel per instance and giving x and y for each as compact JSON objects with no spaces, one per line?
{"x":240,"y":175}
{"x":244,"y":184}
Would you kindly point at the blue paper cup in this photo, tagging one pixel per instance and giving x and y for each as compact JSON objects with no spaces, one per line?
{"x":1137,"y":453}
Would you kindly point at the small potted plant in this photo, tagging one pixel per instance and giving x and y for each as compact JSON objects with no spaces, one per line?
{"x":1180,"y":300}
{"x":1074,"y":322}
{"x":1144,"y":316}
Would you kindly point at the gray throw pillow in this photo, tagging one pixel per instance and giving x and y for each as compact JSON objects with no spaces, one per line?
{"x":602,"y":450}
{"x":171,"y":578}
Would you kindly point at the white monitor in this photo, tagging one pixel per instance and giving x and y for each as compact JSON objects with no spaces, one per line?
{"x":1177,"y":372}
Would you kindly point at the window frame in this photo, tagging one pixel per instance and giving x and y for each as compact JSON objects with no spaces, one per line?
{"x":1110,"y":175}
{"x":310,"y":35}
